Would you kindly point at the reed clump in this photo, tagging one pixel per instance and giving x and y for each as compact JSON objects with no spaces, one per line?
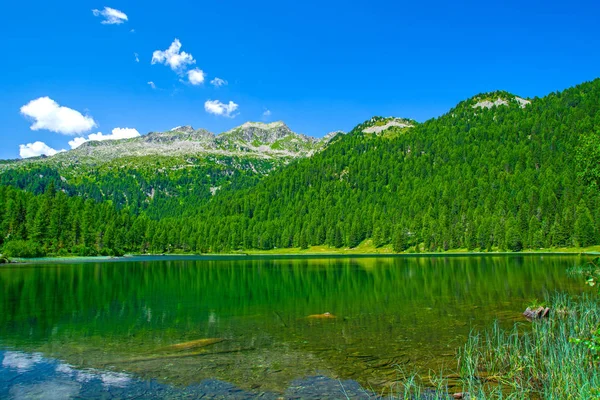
{"x":551,"y":358}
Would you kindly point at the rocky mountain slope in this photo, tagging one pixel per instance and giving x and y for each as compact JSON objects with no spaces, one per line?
{"x":254,"y":139}
{"x":182,"y":165}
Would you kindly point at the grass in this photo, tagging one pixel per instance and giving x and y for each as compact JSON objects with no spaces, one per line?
{"x":367,"y":247}
{"x":545,"y":359}
{"x":537,"y":361}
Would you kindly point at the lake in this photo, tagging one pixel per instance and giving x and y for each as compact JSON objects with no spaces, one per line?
{"x":255,"y":325}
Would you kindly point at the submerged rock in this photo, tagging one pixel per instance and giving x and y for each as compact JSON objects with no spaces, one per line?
{"x":194,"y":344}
{"x":326,"y":315}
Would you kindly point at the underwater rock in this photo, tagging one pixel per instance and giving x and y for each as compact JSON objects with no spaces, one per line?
{"x":193,"y":344}
{"x":326,"y":315}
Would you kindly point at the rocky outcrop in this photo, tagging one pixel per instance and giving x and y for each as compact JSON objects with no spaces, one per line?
{"x":400,"y":123}
{"x":252,"y":139}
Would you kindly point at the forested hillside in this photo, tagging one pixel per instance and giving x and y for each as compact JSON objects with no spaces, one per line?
{"x":495,"y":172}
{"x":501,"y":177}
{"x":164,"y":173}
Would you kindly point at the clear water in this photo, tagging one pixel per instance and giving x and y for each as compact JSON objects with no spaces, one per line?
{"x":258,"y":324}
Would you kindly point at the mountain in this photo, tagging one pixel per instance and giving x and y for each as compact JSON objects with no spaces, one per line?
{"x":255,"y":139}
{"x":160,"y":170}
{"x":496,"y":172}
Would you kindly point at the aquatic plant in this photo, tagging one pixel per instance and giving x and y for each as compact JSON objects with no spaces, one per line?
{"x":542,"y":359}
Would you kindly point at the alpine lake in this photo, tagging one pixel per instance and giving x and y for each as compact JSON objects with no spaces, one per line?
{"x":242,"y":326}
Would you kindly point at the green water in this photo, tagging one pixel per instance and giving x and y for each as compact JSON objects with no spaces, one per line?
{"x":391,"y":314}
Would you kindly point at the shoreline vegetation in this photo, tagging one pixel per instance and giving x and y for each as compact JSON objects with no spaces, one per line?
{"x":552,"y":358}
{"x":363,"y":250}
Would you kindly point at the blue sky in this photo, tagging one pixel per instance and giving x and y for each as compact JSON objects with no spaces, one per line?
{"x":317,"y":65}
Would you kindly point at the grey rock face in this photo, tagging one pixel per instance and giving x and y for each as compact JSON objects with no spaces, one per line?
{"x":253,"y":139}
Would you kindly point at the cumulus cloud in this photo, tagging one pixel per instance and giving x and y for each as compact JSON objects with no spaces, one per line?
{"x":117,"y":133}
{"x":152,"y":85}
{"x":218,"y":82}
{"x":49,"y":115}
{"x":266,"y":113}
{"x":173,"y":57}
{"x":36,"y":149}
{"x":217,"y":108}
{"x":111,"y":16}
{"x":137,"y":57}
{"x":196,"y":76}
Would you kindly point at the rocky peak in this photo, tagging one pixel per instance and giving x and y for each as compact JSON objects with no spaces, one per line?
{"x":264,"y":133}
{"x":496,"y":99}
{"x":183,"y":129}
{"x":180,"y":133}
{"x":329,"y":137}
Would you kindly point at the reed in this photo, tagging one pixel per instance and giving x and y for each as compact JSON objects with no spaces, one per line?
{"x":553,"y":358}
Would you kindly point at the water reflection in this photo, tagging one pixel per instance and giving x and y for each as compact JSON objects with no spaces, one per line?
{"x":30,"y":376}
{"x":389,"y":312}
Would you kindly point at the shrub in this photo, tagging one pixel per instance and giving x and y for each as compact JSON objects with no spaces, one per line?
{"x":22,"y":249}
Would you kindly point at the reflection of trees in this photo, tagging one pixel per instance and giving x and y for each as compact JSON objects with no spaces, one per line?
{"x":186,"y":292}
{"x":390,"y":311}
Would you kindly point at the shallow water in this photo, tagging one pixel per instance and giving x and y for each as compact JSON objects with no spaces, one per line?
{"x":389,"y":316}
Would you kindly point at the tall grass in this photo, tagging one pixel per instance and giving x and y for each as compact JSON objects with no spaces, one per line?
{"x":537,"y":361}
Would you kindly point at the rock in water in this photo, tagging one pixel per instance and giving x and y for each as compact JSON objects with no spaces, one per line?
{"x":536,"y":313}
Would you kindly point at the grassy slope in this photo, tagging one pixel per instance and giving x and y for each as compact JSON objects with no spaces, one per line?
{"x":367,"y":247}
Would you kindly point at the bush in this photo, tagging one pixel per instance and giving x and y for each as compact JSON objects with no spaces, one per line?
{"x":22,"y":249}
{"x":84,"y":251}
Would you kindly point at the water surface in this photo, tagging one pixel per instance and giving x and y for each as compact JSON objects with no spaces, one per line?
{"x":389,"y":316}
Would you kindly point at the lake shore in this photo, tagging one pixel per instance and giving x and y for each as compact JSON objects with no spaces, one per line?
{"x":315,"y":251}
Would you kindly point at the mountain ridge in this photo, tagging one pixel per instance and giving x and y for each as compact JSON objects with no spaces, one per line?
{"x":255,"y":139}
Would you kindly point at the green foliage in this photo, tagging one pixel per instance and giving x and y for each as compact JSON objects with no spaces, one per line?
{"x":541,"y":361}
{"x":592,"y":343}
{"x":499,"y":178}
{"x":590,"y":340}
{"x":22,"y":248}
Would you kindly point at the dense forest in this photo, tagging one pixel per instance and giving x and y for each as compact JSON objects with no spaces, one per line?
{"x":508,"y":177}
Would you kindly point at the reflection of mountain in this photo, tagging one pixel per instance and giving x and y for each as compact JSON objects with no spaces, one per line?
{"x":396,"y":311}
{"x":25,"y":375}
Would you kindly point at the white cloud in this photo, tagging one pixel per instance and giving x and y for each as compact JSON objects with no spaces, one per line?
{"x":217,"y":108}
{"x":76,"y":142}
{"x":173,"y":57}
{"x":117,"y":133}
{"x":218,"y":82}
{"x":266,"y":113}
{"x":196,"y":76}
{"x":152,"y":85}
{"x":111,"y":16}
{"x":36,"y":149}
{"x":49,"y":115}
{"x":137,"y":57}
